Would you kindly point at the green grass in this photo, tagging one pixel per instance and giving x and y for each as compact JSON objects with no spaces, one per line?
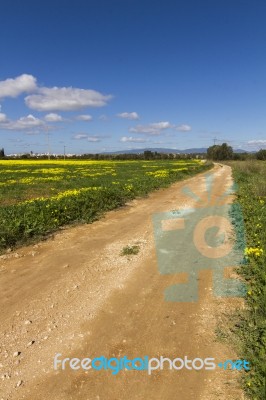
{"x":130,"y":250}
{"x":38,"y":197}
{"x":249,"y":327}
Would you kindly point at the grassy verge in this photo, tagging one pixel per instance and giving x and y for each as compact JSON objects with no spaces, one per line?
{"x":250,"y":325}
{"x":26,"y":221}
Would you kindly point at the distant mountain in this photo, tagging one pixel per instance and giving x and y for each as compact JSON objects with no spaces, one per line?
{"x":243,"y":151}
{"x":166,"y":150}
{"x":159,"y":150}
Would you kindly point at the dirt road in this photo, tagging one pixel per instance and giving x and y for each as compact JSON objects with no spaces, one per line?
{"x":76,"y":295}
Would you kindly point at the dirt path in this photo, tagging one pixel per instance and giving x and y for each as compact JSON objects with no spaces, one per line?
{"x":75,"y":295}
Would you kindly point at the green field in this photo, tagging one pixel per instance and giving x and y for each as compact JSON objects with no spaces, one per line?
{"x":39,"y":196}
{"x":250,"y":325}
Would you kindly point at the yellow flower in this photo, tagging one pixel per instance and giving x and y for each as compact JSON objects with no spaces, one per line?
{"x":253,"y":251}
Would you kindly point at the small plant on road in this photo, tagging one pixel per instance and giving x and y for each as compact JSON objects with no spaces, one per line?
{"x":129,"y":250}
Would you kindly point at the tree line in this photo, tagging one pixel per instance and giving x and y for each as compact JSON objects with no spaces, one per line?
{"x":216,"y":153}
{"x":224,"y":152}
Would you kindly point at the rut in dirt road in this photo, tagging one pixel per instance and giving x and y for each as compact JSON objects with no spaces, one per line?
{"x":77,"y":296}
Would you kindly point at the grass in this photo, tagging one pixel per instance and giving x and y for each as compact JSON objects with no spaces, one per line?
{"x":130,"y":250}
{"x":37,"y":197}
{"x":249,"y":325}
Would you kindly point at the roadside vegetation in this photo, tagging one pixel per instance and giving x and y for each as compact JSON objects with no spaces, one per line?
{"x":130,"y":250}
{"x":249,"y":326}
{"x":39,"y":196}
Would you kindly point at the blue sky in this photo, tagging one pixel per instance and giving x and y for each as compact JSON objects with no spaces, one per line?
{"x":107,"y":75}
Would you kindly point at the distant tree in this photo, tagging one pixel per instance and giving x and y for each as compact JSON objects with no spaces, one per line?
{"x":2,"y":153}
{"x":243,"y":156}
{"x":25,"y":156}
{"x":220,"y":152}
{"x":148,"y":155}
{"x":261,"y":154}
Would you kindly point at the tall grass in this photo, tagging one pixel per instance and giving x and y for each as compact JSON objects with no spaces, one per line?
{"x":250,"y":326}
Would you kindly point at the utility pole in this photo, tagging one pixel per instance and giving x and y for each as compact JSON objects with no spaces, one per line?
{"x":64,"y":152}
{"x":48,"y":144}
{"x":214,"y":141}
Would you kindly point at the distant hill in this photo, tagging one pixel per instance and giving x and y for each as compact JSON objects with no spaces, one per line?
{"x":166,"y":150}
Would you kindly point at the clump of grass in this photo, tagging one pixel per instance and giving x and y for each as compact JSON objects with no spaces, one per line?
{"x":130,"y":250}
{"x":221,"y":335}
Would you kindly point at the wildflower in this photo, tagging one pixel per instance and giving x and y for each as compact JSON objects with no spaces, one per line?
{"x":253,"y":251}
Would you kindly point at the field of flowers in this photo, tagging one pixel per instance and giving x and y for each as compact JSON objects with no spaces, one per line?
{"x":250,"y":327}
{"x":39,"y":196}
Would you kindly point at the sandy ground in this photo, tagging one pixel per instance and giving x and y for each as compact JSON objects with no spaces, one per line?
{"x":76,"y":295}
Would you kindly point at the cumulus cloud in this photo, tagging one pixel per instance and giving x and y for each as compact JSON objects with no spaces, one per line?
{"x":90,"y":138}
{"x":152,"y":129}
{"x":132,"y":139}
{"x":183,"y":128}
{"x":24,"y":123}
{"x":14,"y":87}
{"x":52,"y":117}
{"x":80,"y":136}
{"x":3,"y":118}
{"x":84,"y":117}
{"x":128,"y":115}
{"x":65,"y":99}
{"x":162,"y":125}
{"x":257,"y":142}
{"x":94,"y":138}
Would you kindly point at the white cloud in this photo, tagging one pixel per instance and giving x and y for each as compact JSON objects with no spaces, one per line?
{"x":23,"y":124}
{"x":257,"y":142}
{"x":128,"y":115}
{"x":14,"y":87}
{"x":90,"y":138}
{"x":94,"y":138}
{"x":132,"y":139}
{"x":156,"y":128}
{"x":80,"y":136}
{"x":84,"y":117}
{"x":183,"y":128}
{"x":27,"y":122}
{"x":65,"y":99}
{"x":52,"y":117}
{"x":152,"y":129}
{"x":3,"y":118}
{"x":161,"y":125}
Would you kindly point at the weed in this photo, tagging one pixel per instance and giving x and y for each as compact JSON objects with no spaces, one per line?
{"x":130,"y":250}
